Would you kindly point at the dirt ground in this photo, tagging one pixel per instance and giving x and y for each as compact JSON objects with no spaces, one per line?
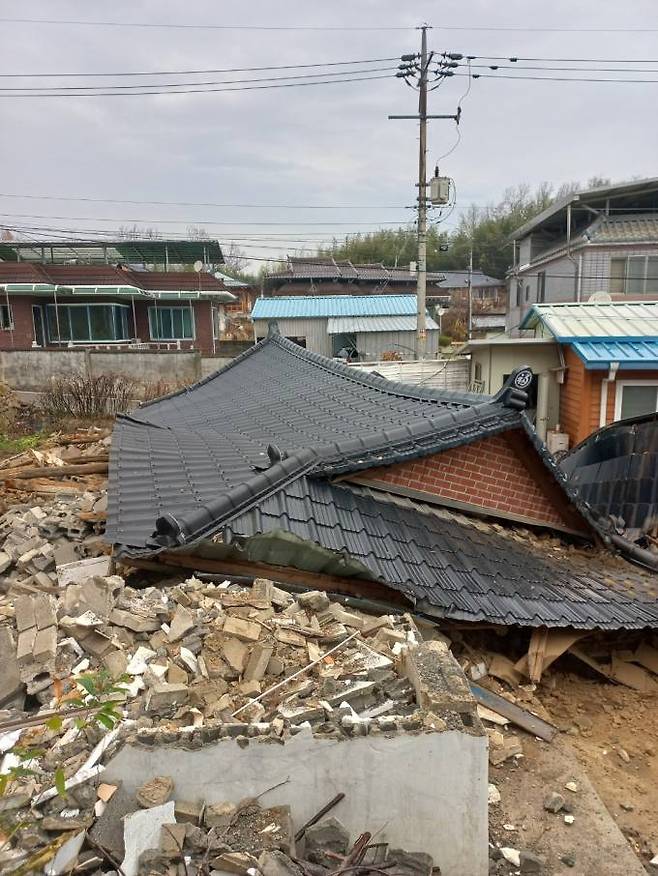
{"x":609,"y":739}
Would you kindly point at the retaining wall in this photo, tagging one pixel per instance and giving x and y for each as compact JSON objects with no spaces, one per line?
{"x":33,"y":370}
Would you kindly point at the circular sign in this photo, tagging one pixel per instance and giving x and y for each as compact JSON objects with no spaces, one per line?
{"x":523,"y":379}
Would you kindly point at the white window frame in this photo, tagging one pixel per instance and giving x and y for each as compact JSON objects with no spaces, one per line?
{"x":61,"y":311}
{"x":626,"y":279}
{"x":620,"y":384}
{"x":151,"y":316}
{"x":10,"y":317}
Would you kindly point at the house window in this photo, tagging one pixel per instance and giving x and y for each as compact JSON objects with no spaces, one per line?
{"x":527,"y":293}
{"x":634,"y":275}
{"x":518,"y":294}
{"x":87,"y":323}
{"x":635,"y":398}
{"x":6,"y":317}
{"x":541,"y":286}
{"x":171,"y":323}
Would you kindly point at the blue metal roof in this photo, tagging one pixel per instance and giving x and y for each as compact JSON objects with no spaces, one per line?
{"x":629,"y":354}
{"x":325,"y":306}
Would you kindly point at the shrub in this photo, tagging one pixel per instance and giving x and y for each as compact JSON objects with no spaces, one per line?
{"x":79,"y":396}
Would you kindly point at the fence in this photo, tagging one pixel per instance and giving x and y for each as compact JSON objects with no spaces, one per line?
{"x":449,"y":374}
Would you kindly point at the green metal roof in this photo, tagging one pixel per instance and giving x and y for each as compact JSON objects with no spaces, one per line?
{"x":183,"y":252}
{"x":590,"y":320}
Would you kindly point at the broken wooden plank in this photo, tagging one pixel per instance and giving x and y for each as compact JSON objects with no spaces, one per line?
{"x":522,"y":718}
{"x":537,"y":653}
{"x":360,"y":587}
{"x":557,"y":643}
{"x":62,"y":471}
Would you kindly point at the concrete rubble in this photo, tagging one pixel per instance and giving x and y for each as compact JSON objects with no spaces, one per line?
{"x":193,"y":663}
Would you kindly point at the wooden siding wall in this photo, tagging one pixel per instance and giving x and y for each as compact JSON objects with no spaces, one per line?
{"x":580,"y":396}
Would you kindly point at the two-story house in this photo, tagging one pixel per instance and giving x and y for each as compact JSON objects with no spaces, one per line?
{"x":602,"y":240}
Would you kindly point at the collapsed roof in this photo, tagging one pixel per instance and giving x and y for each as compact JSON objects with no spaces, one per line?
{"x":259,"y":462}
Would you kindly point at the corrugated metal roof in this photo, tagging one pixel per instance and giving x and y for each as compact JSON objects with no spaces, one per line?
{"x":488,"y":320}
{"x":324,"y":306}
{"x":591,"y":320}
{"x":629,"y":354}
{"x":353,"y":324}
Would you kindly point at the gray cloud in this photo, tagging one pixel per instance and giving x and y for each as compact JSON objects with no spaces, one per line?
{"x":328,"y":145}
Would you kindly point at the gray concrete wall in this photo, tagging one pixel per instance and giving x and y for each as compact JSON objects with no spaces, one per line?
{"x":33,"y":370}
{"x":424,"y":792}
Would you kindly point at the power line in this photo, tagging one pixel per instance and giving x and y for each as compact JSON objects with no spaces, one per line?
{"x":194,"y":72}
{"x":142,"y":85}
{"x":555,"y":78}
{"x":202,"y":203}
{"x":515,"y":58}
{"x":192,"y":90}
{"x":562,"y":69}
{"x":189,"y":26}
{"x":124,"y":220}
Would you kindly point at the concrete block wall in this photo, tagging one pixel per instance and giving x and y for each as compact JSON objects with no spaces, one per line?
{"x":422,"y":787}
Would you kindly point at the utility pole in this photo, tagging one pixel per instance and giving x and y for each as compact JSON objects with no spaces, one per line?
{"x":417,"y":66}
{"x":470,"y":293}
{"x":421,"y":283}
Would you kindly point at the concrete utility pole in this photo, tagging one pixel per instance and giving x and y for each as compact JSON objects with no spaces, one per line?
{"x":470,"y":292}
{"x":407,"y":68}
{"x":421,"y":284}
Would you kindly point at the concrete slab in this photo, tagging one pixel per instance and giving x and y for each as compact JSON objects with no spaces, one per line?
{"x":425,"y":791}
{"x":594,"y":839}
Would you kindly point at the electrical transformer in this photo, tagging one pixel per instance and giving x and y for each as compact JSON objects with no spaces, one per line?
{"x":440,"y":190}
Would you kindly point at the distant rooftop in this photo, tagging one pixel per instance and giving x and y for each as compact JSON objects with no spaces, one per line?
{"x":328,"y":268}
{"x":328,"y":306}
{"x":147,"y":251}
{"x":639,"y":195}
{"x":595,"y":320}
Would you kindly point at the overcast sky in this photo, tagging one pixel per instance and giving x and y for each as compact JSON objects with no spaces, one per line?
{"x":326,"y":145}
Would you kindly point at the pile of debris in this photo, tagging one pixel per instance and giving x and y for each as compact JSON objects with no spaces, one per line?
{"x":161,"y":836}
{"x":55,"y":505}
{"x":191,"y":663}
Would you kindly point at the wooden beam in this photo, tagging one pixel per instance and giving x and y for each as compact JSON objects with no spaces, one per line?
{"x":314,"y":580}
{"x":54,"y":471}
{"x":537,"y":653}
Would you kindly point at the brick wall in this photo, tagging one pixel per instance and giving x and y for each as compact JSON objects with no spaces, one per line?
{"x":23,"y":333}
{"x":498,"y":474}
{"x":202,"y":324}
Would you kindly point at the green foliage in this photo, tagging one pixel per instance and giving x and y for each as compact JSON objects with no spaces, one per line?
{"x":487,"y":229}
{"x":444,"y":340}
{"x":18,"y":445}
{"x":60,"y":782}
{"x":100,"y":692}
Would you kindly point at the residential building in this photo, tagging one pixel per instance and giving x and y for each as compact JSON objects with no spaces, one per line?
{"x":602,"y":240}
{"x":60,"y":295}
{"x":295,"y":467}
{"x":352,"y":327}
{"x":595,"y":363}
{"x":320,"y":275}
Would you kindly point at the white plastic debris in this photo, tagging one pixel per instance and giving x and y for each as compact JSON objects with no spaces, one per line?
{"x":141,"y":831}
{"x":139,"y":661}
{"x":569,"y":819}
{"x":66,"y":857}
{"x":572,"y":786}
{"x":512,"y":855}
